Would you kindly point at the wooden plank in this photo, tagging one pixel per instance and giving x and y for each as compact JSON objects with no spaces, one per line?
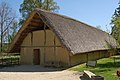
{"x":92,"y":76}
{"x":88,"y":74}
{"x":41,"y":46}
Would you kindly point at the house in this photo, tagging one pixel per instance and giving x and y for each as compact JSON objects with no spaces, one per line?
{"x":51,"y":38}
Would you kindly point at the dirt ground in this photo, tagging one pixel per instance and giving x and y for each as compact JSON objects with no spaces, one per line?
{"x":29,"y":72}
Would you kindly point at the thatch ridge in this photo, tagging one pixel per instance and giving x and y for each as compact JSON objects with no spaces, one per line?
{"x":64,"y":16}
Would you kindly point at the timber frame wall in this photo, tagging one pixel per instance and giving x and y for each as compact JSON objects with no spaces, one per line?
{"x":55,"y":45}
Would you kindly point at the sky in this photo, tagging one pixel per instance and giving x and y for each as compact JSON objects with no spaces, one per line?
{"x":92,"y":12}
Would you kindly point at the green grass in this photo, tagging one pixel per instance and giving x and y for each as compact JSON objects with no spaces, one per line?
{"x":105,"y":67}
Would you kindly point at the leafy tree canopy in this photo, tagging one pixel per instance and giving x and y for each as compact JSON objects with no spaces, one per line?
{"x":115,"y":22}
{"x":29,"y":5}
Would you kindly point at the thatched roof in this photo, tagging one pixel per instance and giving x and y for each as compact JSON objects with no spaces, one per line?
{"x":75,"y":36}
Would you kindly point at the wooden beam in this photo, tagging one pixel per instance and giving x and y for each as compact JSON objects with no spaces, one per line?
{"x":27,"y":30}
{"x":20,"y":42}
{"x":17,"y":43}
{"x":24,"y":33}
{"x":44,"y":43}
{"x":31,"y":38}
{"x":41,"y":46}
{"x":99,"y":55}
{"x":26,"y":23}
{"x":36,"y":20}
{"x":35,"y":24}
{"x":55,"y":49}
{"x":37,"y":17}
{"x":69,"y":59}
{"x":87,"y":58}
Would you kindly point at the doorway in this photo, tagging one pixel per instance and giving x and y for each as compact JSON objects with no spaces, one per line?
{"x":36,"y":58}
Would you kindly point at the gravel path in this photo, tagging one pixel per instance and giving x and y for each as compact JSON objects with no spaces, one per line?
{"x":29,"y":72}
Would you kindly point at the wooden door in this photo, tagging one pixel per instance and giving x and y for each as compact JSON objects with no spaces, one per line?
{"x":36,"y":58}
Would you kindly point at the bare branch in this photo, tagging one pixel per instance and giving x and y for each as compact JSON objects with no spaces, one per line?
{"x":6,"y":20}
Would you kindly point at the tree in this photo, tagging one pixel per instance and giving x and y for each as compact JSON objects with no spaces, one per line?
{"x":12,"y":31}
{"x":6,"y":19}
{"x":50,"y":5}
{"x":29,"y":5}
{"x":115,"y":22}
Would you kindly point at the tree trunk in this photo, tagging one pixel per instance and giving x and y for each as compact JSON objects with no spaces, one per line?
{"x":1,"y":37}
{"x":47,"y":5}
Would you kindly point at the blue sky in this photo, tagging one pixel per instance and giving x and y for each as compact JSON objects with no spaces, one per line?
{"x":92,"y":12}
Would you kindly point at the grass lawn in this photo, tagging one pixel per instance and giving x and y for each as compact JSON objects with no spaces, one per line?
{"x":105,"y":67}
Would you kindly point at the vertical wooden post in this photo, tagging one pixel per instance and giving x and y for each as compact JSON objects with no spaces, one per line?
{"x":99,"y":55}
{"x":31,"y":46}
{"x":69,"y":59}
{"x":44,"y":43}
{"x":31,"y":39}
{"x":54,"y":49}
{"x":87,"y":59}
{"x":94,"y":56}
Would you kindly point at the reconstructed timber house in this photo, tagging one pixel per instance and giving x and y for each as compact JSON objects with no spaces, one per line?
{"x":50,"y":38}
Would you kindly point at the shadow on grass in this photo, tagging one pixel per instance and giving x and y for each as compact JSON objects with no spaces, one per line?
{"x":117,"y":58}
{"x":109,"y":65}
{"x":101,"y":70}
